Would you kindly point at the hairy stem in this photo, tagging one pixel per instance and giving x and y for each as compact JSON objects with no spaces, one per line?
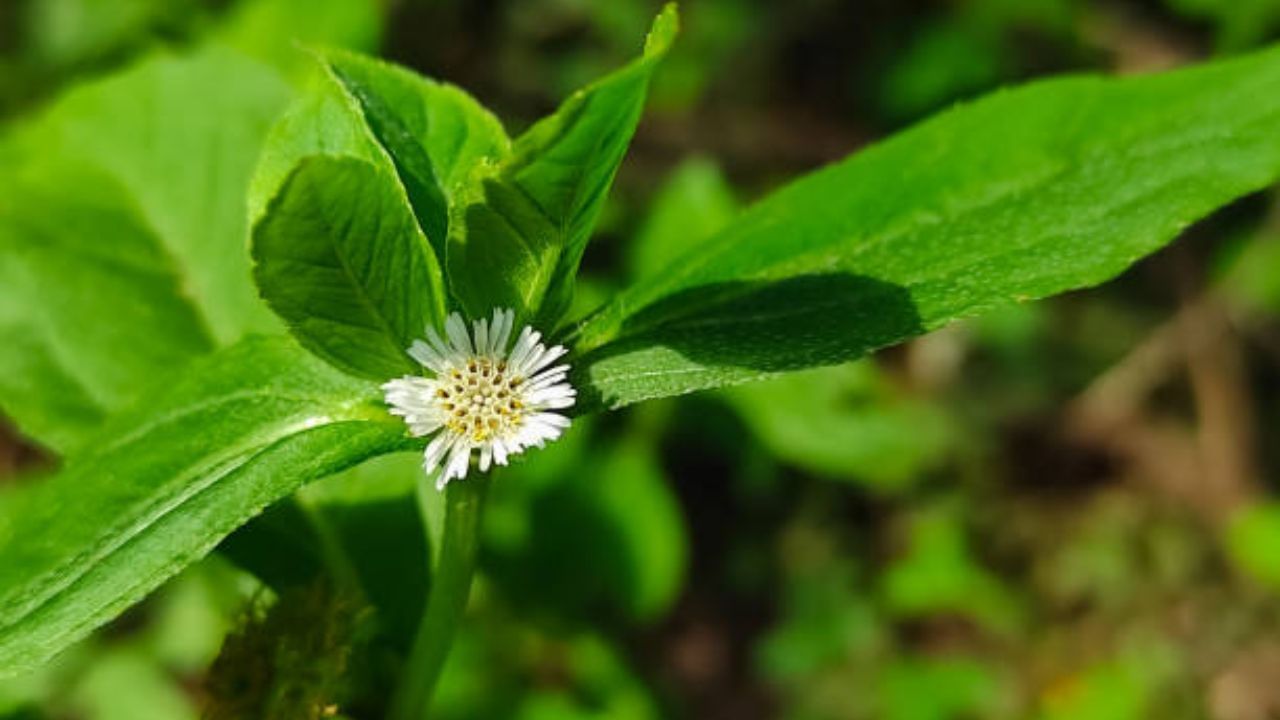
{"x":450,"y":587}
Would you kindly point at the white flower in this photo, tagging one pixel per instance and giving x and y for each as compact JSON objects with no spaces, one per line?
{"x":485,"y":394}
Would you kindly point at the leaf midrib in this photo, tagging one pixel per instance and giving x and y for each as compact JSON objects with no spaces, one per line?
{"x":89,"y":620}
{"x":679,"y":280}
{"x":178,"y":493}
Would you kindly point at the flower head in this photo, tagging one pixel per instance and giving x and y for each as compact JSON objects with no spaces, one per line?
{"x":484,"y":394}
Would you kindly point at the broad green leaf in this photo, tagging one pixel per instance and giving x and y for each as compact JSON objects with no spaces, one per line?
{"x":526,"y":224}
{"x":168,"y":480}
{"x":180,"y":134}
{"x":339,"y":256}
{"x":427,"y":135}
{"x":843,"y":421}
{"x":121,"y":236}
{"x":1027,"y":193}
{"x":66,"y":259}
{"x":695,"y":202}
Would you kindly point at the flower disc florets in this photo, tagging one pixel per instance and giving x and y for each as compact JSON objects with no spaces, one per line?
{"x":484,"y":394}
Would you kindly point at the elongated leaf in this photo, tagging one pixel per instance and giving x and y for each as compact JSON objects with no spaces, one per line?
{"x":166,"y":482}
{"x":1059,"y":185}
{"x":369,"y":514}
{"x":528,"y":220}
{"x":339,"y":256}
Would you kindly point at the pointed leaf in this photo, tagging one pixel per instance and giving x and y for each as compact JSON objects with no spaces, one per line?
{"x":528,"y":220}
{"x":1027,"y":193}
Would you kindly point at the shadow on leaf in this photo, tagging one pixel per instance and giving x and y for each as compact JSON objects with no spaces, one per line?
{"x":765,"y":326}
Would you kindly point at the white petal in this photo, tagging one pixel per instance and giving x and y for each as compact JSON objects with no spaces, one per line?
{"x":459,"y":460}
{"x":502,"y":321}
{"x":436,"y":450}
{"x":527,"y":343}
{"x":440,"y":346}
{"x":426,"y":356}
{"x":547,"y":358}
{"x":457,"y":331}
{"x":482,"y":336}
{"x":421,"y":427}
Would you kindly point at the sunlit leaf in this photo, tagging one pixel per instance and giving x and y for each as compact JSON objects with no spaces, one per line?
{"x":340,"y":257}
{"x":122,"y":229}
{"x":165,"y":483}
{"x":1027,"y":193}
{"x":524,"y":230}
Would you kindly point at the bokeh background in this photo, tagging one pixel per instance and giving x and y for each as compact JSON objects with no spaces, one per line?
{"x":1064,"y":510}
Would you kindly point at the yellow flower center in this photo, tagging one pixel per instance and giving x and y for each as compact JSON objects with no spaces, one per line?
{"x":481,"y":399}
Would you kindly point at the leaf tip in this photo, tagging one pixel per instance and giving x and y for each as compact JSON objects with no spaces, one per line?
{"x":663,"y":32}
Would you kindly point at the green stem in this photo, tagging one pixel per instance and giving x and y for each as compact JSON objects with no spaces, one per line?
{"x":450,"y":587}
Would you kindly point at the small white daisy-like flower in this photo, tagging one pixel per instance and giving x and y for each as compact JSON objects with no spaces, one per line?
{"x":486,"y":394}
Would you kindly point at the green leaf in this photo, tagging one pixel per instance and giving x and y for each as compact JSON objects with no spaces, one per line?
{"x":429,"y":136}
{"x":435,"y":133}
{"x":122,"y":233}
{"x":528,"y":219}
{"x":339,"y":256}
{"x":694,"y":203}
{"x":272,"y":30}
{"x":65,"y":258}
{"x":847,"y":422}
{"x":1030,"y":192}
{"x":167,"y":481}
{"x":185,"y":171}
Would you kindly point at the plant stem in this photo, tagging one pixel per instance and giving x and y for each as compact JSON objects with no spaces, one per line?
{"x":450,"y":588}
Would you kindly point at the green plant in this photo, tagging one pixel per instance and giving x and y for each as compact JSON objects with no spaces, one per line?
{"x":383,"y":202}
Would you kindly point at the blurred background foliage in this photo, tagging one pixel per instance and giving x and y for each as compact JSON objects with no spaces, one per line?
{"x":1065,"y":510}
